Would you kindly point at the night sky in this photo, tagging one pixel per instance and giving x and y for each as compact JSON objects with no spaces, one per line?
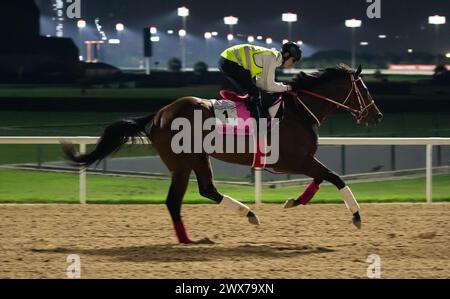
{"x":320,"y":25}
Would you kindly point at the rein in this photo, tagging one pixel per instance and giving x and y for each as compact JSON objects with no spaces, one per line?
{"x":359,"y":114}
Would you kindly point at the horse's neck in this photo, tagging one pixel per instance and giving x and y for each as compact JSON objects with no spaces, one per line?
{"x":320,"y":107}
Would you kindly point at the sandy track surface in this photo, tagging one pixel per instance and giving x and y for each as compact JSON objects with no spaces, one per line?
{"x":317,"y":241}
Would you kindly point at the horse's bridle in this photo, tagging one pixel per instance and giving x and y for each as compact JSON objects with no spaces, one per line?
{"x":363,"y":106}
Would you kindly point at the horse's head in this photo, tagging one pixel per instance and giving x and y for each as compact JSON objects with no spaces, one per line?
{"x":342,"y":87}
{"x":360,"y":103}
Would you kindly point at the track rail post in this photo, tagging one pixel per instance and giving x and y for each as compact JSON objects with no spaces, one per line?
{"x":429,"y":173}
{"x":82,"y":177}
{"x":258,"y":199}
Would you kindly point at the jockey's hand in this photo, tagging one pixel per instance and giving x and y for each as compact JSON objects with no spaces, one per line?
{"x":289,"y":87}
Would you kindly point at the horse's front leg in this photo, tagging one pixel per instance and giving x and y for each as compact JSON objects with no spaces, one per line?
{"x":313,"y":168}
{"x":306,"y":196}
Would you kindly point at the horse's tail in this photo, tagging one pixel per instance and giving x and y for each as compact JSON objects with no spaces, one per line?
{"x":113,"y":138}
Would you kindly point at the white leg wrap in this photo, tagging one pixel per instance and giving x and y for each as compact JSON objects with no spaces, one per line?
{"x":349,"y":200}
{"x":235,"y":206}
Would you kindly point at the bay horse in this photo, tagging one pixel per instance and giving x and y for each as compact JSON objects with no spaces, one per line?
{"x":306,"y":107}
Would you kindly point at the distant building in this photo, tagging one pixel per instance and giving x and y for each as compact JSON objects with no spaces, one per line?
{"x":25,"y":56}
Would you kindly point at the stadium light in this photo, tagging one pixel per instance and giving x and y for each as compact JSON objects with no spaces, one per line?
{"x":114,"y":41}
{"x":269,"y":41}
{"x":364,"y":43}
{"x":208,"y":35}
{"x":436,"y":20}
{"x":259,"y":37}
{"x":353,"y":24}
{"x":382,"y":36}
{"x":447,"y":55}
{"x":214,"y":33}
{"x":170,"y":32}
{"x":120,"y":27}
{"x":250,"y":39}
{"x":81,"y":24}
{"x":289,"y":18}
{"x":285,"y":41}
{"x":410,"y":51}
{"x":153,"y":30}
{"x":183,"y":11}
{"x":155,"y":39}
{"x":230,"y":37}
{"x":230,"y":20}
{"x":300,"y":42}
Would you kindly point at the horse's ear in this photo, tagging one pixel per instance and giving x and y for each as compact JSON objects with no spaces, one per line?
{"x":358,"y":71}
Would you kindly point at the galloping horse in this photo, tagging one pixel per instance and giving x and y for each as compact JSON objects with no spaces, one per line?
{"x":313,"y":98}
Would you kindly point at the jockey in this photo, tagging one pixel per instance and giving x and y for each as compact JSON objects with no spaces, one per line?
{"x":243,"y":63}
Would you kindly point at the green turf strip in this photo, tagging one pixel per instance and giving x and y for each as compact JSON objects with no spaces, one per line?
{"x":44,"y":187}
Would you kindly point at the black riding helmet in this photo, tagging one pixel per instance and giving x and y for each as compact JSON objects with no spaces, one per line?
{"x":294,"y":51}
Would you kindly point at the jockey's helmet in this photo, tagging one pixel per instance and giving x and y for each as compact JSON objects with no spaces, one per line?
{"x":293,"y":50}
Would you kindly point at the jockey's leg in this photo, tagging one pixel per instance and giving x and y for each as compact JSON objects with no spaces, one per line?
{"x":242,"y":80}
{"x":239,"y":77}
{"x":202,"y":169}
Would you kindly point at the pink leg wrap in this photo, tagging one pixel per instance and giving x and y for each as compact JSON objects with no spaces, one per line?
{"x":309,"y":193}
{"x":181,"y":232}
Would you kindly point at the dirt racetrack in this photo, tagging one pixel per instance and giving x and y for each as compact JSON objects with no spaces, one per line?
{"x":317,"y":241}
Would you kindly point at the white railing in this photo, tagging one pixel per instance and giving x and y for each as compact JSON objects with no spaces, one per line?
{"x":428,"y":142}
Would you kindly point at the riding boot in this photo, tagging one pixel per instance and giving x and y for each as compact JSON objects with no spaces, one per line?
{"x":259,"y":112}
{"x":253,"y":107}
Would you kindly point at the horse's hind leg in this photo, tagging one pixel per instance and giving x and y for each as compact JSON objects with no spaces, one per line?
{"x":203,"y":171}
{"x":313,"y":168}
{"x":178,"y":186}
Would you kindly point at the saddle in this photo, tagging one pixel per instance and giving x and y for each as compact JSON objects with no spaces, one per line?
{"x":232,"y":115}
{"x":232,"y":96}
{"x":270,"y":105}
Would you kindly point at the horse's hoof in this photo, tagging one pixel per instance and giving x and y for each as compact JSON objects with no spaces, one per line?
{"x":252,"y":218}
{"x":290,"y":203}
{"x":357,"y":220}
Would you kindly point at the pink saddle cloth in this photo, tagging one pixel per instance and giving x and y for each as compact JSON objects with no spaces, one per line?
{"x":233,"y":116}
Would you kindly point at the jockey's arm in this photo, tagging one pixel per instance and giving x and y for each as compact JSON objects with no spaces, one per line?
{"x":266,"y":80}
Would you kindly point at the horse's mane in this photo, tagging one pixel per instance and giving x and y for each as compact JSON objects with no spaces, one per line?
{"x":309,"y":81}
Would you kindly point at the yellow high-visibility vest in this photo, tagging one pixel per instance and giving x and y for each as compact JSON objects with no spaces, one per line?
{"x":244,"y":55}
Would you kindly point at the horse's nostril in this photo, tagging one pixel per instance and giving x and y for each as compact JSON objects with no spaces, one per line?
{"x":380,"y":115}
